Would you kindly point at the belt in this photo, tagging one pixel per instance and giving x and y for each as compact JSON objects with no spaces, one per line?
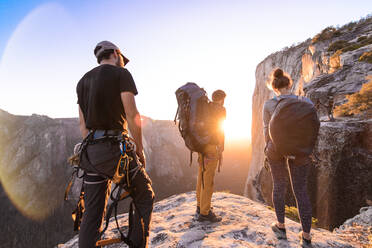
{"x":102,"y":133}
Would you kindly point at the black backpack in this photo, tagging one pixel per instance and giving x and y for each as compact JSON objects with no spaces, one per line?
{"x":192,"y":113}
{"x":294,"y":127}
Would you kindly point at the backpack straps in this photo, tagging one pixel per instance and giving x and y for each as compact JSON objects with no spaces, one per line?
{"x":68,"y":188}
{"x":113,"y":207}
{"x":190,"y":157}
{"x":279,"y":99}
{"x":77,"y":214}
{"x":175,"y":117}
{"x":219,"y":162}
{"x":220,"y":151}
{"x":203,"y":169}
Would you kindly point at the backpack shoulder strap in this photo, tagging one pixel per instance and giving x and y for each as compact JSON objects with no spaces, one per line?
{"x":277,"y":103}
{"x":175,"y":117}
{"x":203,"y":169}
{"x":190,"y":158}
{"x":113,"y":207}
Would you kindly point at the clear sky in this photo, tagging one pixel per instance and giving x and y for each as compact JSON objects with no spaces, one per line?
{"x":47,"y":46}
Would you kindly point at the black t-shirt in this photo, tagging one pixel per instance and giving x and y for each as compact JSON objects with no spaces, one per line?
{"x":99,"y":96}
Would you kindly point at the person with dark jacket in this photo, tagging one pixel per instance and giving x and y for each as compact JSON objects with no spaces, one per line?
{"x":298,"y":167}
{"x":107,"y":108}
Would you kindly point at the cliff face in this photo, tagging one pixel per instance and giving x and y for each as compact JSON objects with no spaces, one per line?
{"x":339,"y":183}
{"x":33,"y":151}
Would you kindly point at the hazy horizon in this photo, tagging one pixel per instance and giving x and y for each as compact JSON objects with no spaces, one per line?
{"x":47,"y":46}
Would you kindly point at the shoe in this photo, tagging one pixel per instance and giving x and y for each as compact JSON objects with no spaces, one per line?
{"x":279,"y":232}
{"x":198,"y":210}
{"x":212,"y":217}
{"x":305,"y":243}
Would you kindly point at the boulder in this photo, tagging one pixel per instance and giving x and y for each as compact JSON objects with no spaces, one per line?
{"x":358,"y":228}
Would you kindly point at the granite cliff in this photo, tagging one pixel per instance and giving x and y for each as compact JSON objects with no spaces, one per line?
{"x":326,"y":69}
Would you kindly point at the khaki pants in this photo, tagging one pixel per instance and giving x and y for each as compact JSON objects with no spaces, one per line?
{"x":204,"y":194}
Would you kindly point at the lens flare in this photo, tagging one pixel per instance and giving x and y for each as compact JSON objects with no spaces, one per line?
{"x":222,"y":126}
{"x":235,"y":129}
{"x":24,"y":168}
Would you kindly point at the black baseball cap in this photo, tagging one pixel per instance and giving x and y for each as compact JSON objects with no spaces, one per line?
{"x":107,"y":45}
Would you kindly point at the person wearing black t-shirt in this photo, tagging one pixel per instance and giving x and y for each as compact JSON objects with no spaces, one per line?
{"x":107,"y":107}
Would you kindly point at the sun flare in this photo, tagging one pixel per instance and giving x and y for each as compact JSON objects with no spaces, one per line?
{"x":236,"y":129}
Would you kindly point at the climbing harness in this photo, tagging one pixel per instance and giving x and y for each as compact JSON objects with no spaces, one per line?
{"x":122,"y":179}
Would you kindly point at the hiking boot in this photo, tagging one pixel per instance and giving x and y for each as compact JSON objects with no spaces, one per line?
{"x":197,"y":210}
{"x":305,"y":243}
{"x":280,"y":233}
{"x":212,"y":217}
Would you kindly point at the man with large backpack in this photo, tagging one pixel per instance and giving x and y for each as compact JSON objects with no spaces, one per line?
{"x":200,"y":127}
{"x":106,"y":110}
{"x":291,"y":128}
{"x":211,"y":158}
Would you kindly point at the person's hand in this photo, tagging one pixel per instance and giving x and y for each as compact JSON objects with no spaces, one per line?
{"x":141,"y":156}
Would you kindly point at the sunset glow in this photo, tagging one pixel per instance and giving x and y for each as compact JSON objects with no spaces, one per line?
{"x":236,"y":129}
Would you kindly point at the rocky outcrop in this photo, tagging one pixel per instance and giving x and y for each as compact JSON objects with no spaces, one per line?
{"x":364,"y":218}
{"x":245,"y":223}
{"x":358,"y":228}
{"x":340,"y":179}
{"x":34,"y":174}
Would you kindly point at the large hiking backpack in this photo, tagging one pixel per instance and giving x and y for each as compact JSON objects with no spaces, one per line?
{"x":192,"y":113}
{"x":294,"y":127}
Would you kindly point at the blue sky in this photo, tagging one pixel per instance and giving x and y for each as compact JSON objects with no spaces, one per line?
{"x":46,"y":47}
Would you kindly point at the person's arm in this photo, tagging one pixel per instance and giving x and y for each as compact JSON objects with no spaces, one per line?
{"x":82,"y":126}
{"x":134,"y":123}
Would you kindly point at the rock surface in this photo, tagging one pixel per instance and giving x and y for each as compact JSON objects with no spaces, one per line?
{"x":364,"y":218}
{"x":340,"y":181}
{"x":245,"y":224}
{"x":358,"y":228}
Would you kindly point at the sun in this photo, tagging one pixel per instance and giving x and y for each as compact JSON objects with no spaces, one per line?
{"x":236,"y":128}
